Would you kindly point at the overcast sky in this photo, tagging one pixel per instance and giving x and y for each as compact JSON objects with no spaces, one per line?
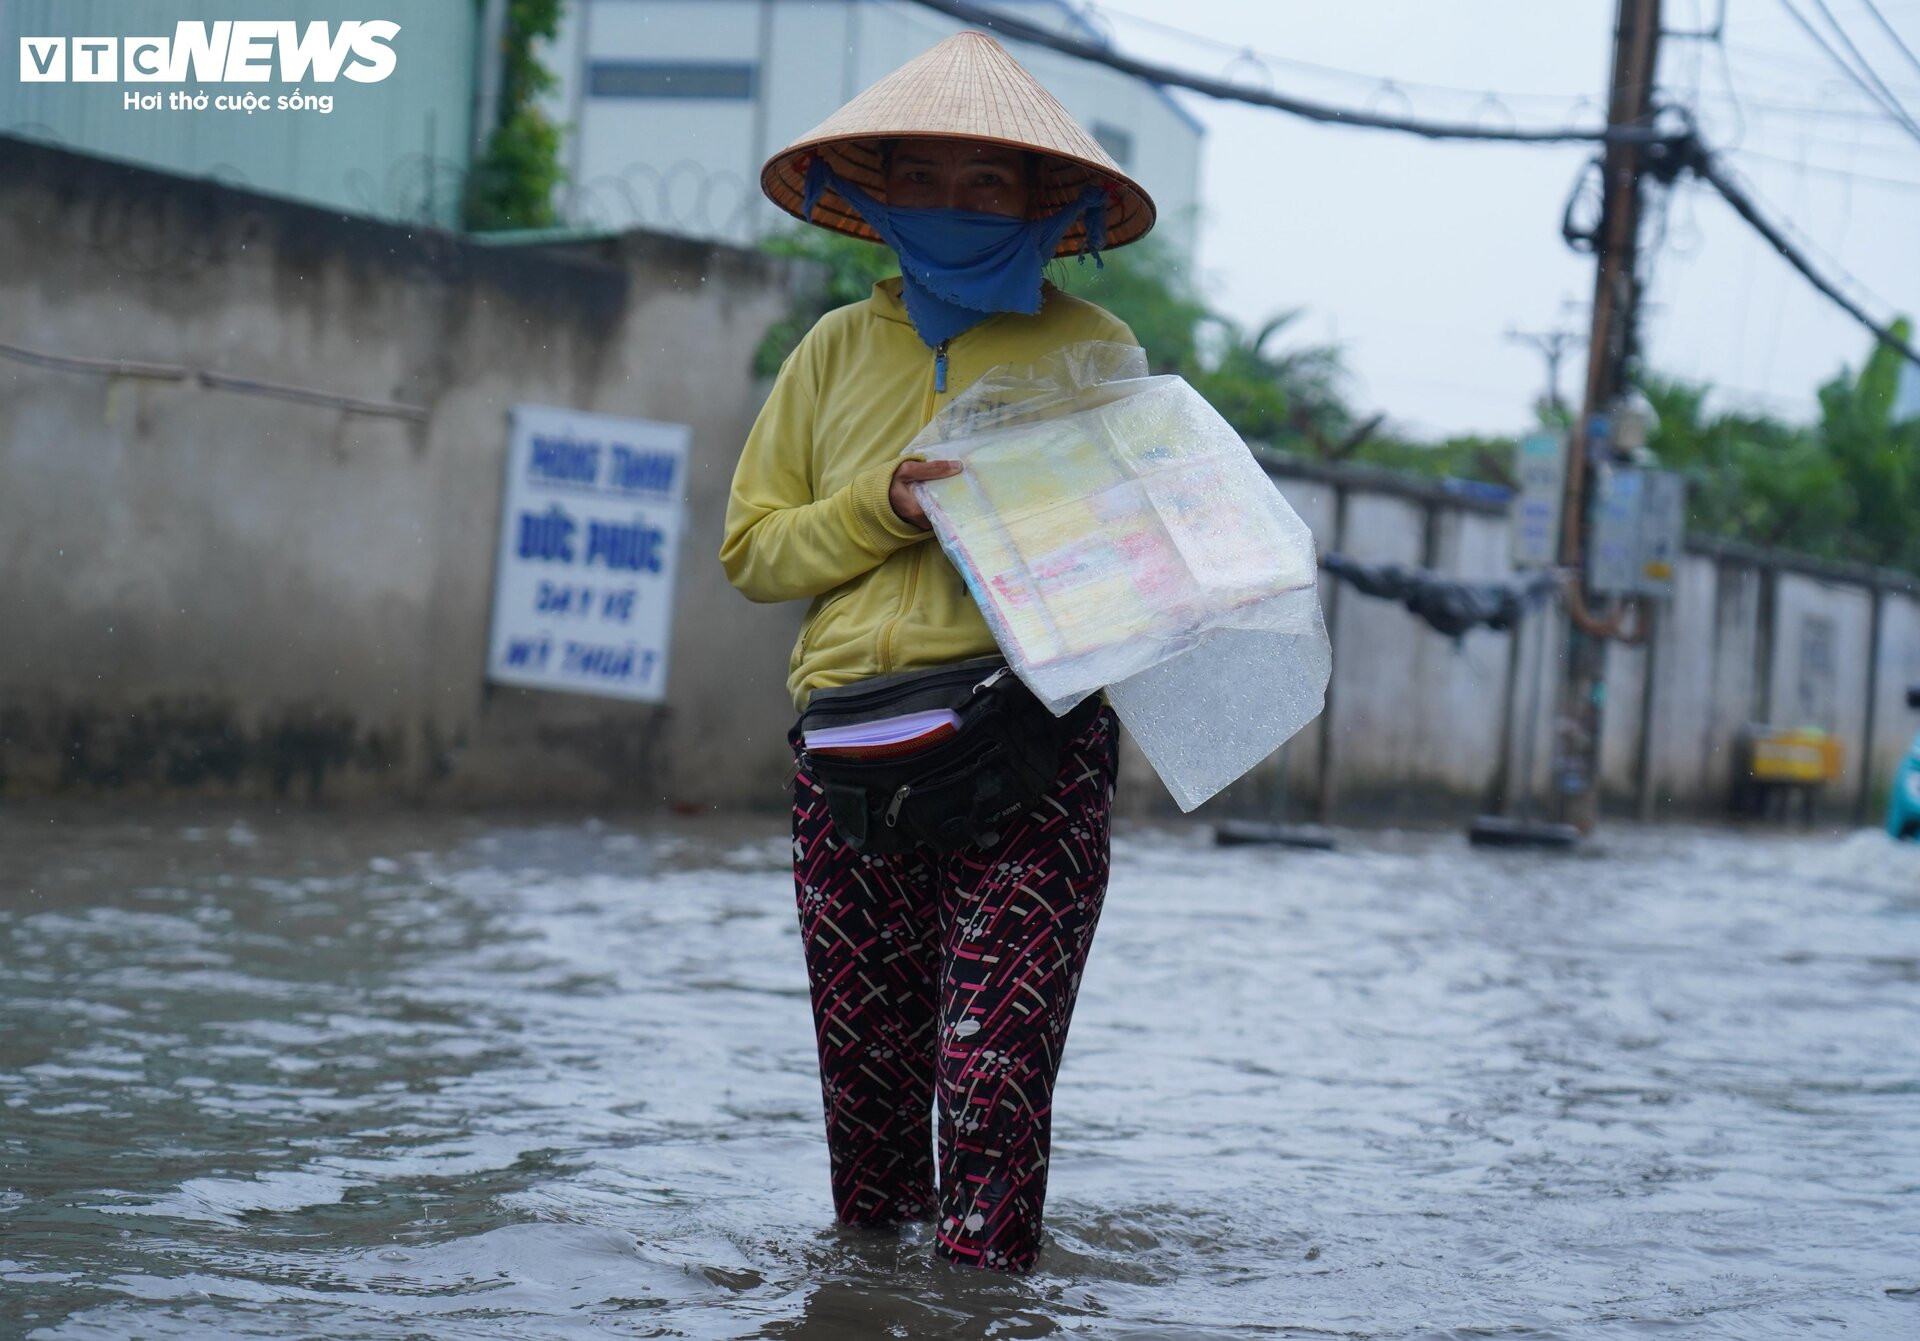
{"x":1417,"y":257}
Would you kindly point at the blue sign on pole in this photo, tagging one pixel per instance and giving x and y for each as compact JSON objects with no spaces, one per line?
{"x":589,"y":537}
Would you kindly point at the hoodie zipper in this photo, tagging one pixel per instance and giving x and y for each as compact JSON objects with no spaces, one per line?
{"x":885,"y":643}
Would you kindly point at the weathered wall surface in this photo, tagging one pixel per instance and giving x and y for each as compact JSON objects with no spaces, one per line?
{"x":208,"y":591}
{"x":1416,"y":724}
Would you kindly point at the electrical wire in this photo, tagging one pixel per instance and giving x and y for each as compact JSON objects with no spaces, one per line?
{"x":1766,"y":131}
{"x":1107,"y":14}
{"x":1802,"y":65}
{"x":1888,"y":28}
{"x":1021,"y":29}
{"x":1667,"y":152}
{"x":1707,"y":167}
{"x":1823,"y":170}
{"x":1694,"y":76}
{"x":1893,"y":109}
{"x":1865,"y":67}
{"x":1726,"y":82}
{"x":1805,"y":111}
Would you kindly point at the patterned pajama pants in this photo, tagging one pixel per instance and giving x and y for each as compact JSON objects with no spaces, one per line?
{"x":953,"y":975}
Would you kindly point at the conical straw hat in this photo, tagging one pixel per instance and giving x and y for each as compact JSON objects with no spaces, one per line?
{"x":965,"y":88}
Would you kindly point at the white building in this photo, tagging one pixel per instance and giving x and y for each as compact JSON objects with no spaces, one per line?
{"x":671,"y":106}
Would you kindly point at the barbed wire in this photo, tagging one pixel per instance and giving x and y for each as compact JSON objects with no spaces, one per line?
{"x":174,"y":228}
{"x":684,"y":197}
{"x":414,"y":188}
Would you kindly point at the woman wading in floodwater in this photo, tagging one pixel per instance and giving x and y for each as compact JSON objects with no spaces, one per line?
{"x":948,"y":889}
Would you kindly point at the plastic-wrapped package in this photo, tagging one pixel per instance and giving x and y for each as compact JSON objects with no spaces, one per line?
{"x":1117,"y":534}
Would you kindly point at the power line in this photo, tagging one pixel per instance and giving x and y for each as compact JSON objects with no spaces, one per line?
{"x":1823,"y":170}
{"x":1887,"y":28}
{"x":1011,"y":26}
{"x":1893,"y":109}
{"x":1780,"y":134}
{"x":1707,"y":168}
{"x":1865,"y":67}
{"x":1105,"y":11}
{"x":1801,"y":65}
{"x":1726,"y":80}
{"x":1803,"y":111}
{"x":1668,"y":152}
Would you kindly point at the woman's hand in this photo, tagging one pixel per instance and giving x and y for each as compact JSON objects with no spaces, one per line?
{"x":900,"y":492}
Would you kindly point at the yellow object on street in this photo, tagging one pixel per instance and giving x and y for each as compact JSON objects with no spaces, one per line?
{"x":1803,"y":755}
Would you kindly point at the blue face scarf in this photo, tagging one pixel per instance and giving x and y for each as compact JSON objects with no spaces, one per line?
{"x":959,"y":266}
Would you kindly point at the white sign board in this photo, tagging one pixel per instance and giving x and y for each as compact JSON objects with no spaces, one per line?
{"x":1613,"y":566}
{"x":1540,"y":466}
{"x":1663,"y":531}
{"x":589,"y":535}
{"x":1639,"y":528}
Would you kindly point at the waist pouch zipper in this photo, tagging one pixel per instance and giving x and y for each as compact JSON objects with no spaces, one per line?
{"x":899,"y":799}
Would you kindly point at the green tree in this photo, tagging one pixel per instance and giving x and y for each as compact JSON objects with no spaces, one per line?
{"x":1146,"y":285}
{"x":845,"y":271}
{"x":1289,"y":397}
{"x":511,"y":185}
{"x":1847,"y":487}
{"x":1878,"y":459}
{"x":1285,"y":397}
{"x":1485,"y":458}
{"x":1749,"y":477}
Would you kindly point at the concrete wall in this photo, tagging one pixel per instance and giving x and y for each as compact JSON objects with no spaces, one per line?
{"x":210,"y":589}
{"x":1415,"y":723}
{"x":205,"y":590}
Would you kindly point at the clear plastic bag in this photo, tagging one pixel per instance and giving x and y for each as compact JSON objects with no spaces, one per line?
{"x":1117,"y":534}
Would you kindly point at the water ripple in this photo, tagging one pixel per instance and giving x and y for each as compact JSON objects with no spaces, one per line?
{"x":292,"y":1076}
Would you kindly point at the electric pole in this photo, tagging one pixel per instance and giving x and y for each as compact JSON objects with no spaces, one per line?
{"x":1552,"y":346}
{"x":1611,"y":344}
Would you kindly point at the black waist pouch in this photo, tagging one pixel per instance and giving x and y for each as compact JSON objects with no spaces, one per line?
{"x":964,"y":789}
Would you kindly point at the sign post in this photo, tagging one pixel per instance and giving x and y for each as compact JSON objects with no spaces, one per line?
{"x":1540,"y":465}
{"x":589,"y":536}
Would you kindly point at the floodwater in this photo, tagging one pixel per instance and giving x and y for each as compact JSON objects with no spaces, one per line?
{"x":334,"y":1076}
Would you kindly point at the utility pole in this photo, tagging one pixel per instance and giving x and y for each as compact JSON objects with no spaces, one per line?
{"x":1611,"y":344}
{"x":1552,"y":346}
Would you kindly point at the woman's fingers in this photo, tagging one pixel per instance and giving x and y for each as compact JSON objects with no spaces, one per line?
{"x":900,"y":491}
{"x":914,"y":472}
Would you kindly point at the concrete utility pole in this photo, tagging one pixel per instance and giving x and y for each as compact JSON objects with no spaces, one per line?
{"x":1552,"y":346}
{"x":1610,"y":345}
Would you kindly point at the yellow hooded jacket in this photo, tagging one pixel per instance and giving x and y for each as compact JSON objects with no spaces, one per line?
{"x":808,"y":515}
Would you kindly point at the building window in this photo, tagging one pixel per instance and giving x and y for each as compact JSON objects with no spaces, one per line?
{"x":1115,"y":141}
{"x":670,"y":79}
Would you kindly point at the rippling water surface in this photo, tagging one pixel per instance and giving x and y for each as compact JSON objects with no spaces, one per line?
{"x":337,"y":1076}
